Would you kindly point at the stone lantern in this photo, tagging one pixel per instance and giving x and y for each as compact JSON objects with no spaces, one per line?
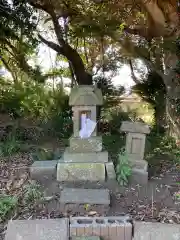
{"x":84,"y":159}
{"x":135,"y":147}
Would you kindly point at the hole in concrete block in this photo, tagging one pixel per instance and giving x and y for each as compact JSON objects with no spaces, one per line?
{"x":84,"y":221}
{"x":100,"y":221}
{"x":111,"y":221}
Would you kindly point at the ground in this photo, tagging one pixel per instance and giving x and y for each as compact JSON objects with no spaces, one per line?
{"x":155,"y":202}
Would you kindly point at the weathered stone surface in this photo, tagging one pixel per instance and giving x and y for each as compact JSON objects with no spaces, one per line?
{"x":135,"y":127}
{"x":91,"y":157}
{"x":92,"y":144}
{"x":135,"y":145}
{"x":44,"y":229}
{"x":85,"y":95}
{"x":156,"y":231}
{"x":110,"y":171}
{"x":80,"y":172}
{"x":139,"y":164}
{"x":139,"y":177}
{"x":90,"y":196}
{"x":43,"y":169}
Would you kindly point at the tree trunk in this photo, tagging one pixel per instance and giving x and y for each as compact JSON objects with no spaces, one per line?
{"x":160,"y":116}
{"x":173,"y":114}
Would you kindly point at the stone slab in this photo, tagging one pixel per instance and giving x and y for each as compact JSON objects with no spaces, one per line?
{"x":43,"y":169}
{"x":139,"y":177}
{"x":110,"y":171}
{"x":156,"y":231}
{"x":139,"y":164}
{"x":91,"y":157}
{"x":92,"y":144}
{"x":67,"y":172}
{"x":42,"y":229}
{"x":135,"y":127}
{"x":83,"y":196}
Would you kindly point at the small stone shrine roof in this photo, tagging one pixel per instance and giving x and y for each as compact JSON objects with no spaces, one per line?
{"x":85,"y":95}
{"x":135,"y":127}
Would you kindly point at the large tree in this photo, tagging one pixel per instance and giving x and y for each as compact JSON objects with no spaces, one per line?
{"x":17,"y":39}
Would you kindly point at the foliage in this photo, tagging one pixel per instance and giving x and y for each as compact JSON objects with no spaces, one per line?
{"x":161,"y":147}
{"x":123,"y":168}
{"x":113,"y":144}
{"x":7,"y":204}
{"x":10,"y":146}
{"x":31,"y":99}
{"x":44,"y":154}
{"x":32,"y":194}
{"x":152,"y":90}
{"x":18,"y":40}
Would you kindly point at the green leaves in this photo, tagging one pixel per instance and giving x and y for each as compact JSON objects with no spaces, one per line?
{"x":7,"y":203}
{"x":123,"y":169}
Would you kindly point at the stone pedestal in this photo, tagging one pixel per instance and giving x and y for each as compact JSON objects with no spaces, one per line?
{"x":135,"y":146}
{"x":84,"y":159}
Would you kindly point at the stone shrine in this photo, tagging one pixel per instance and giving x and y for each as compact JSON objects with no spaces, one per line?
{"x":84,"y":159}
{"x":135,"y":147}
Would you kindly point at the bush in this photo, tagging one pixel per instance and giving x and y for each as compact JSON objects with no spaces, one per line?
{"x":10,"y":146}
{"x":123,"y":169}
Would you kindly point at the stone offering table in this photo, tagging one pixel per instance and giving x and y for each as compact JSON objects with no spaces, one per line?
{"x":84,"y":159}
{"x":135,"y":146}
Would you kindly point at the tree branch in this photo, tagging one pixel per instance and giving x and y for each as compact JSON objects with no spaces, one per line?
{"x":132,"y":72}
{"x":6,"y":65}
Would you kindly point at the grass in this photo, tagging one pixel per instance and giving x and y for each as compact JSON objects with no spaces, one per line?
{"x":7,"y":204}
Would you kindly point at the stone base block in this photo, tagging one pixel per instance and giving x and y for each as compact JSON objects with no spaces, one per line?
{"x":91,"y":157}
{"x":156,"y":231}
{"x":139,"y":177}
{"x":110,"y":171}
{"x":74,"y":200}
{"x":46,"y":229}
{"x":89,"y":196}
{"x":92,"y":144}
{"x":41,"y":170}
{"x":69,"y":172}
{"x":139,"y":164}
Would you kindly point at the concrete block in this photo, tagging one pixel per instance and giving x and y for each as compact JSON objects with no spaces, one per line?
{"x":156,"y":231}
{"x":89,"y":196}
{"x":80,"y":172}
{"x":110,"y":171}
{"x":41,"y":229}
{"x":43,"y":169}
{"x":91,"y":157}
{"x":108,"y":228}
{"x":86,"y":238}
{"x":92,"y":144}
{"x":139,"y":177}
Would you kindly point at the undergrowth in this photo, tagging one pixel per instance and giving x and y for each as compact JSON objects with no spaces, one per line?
{"x":123,"y":168}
